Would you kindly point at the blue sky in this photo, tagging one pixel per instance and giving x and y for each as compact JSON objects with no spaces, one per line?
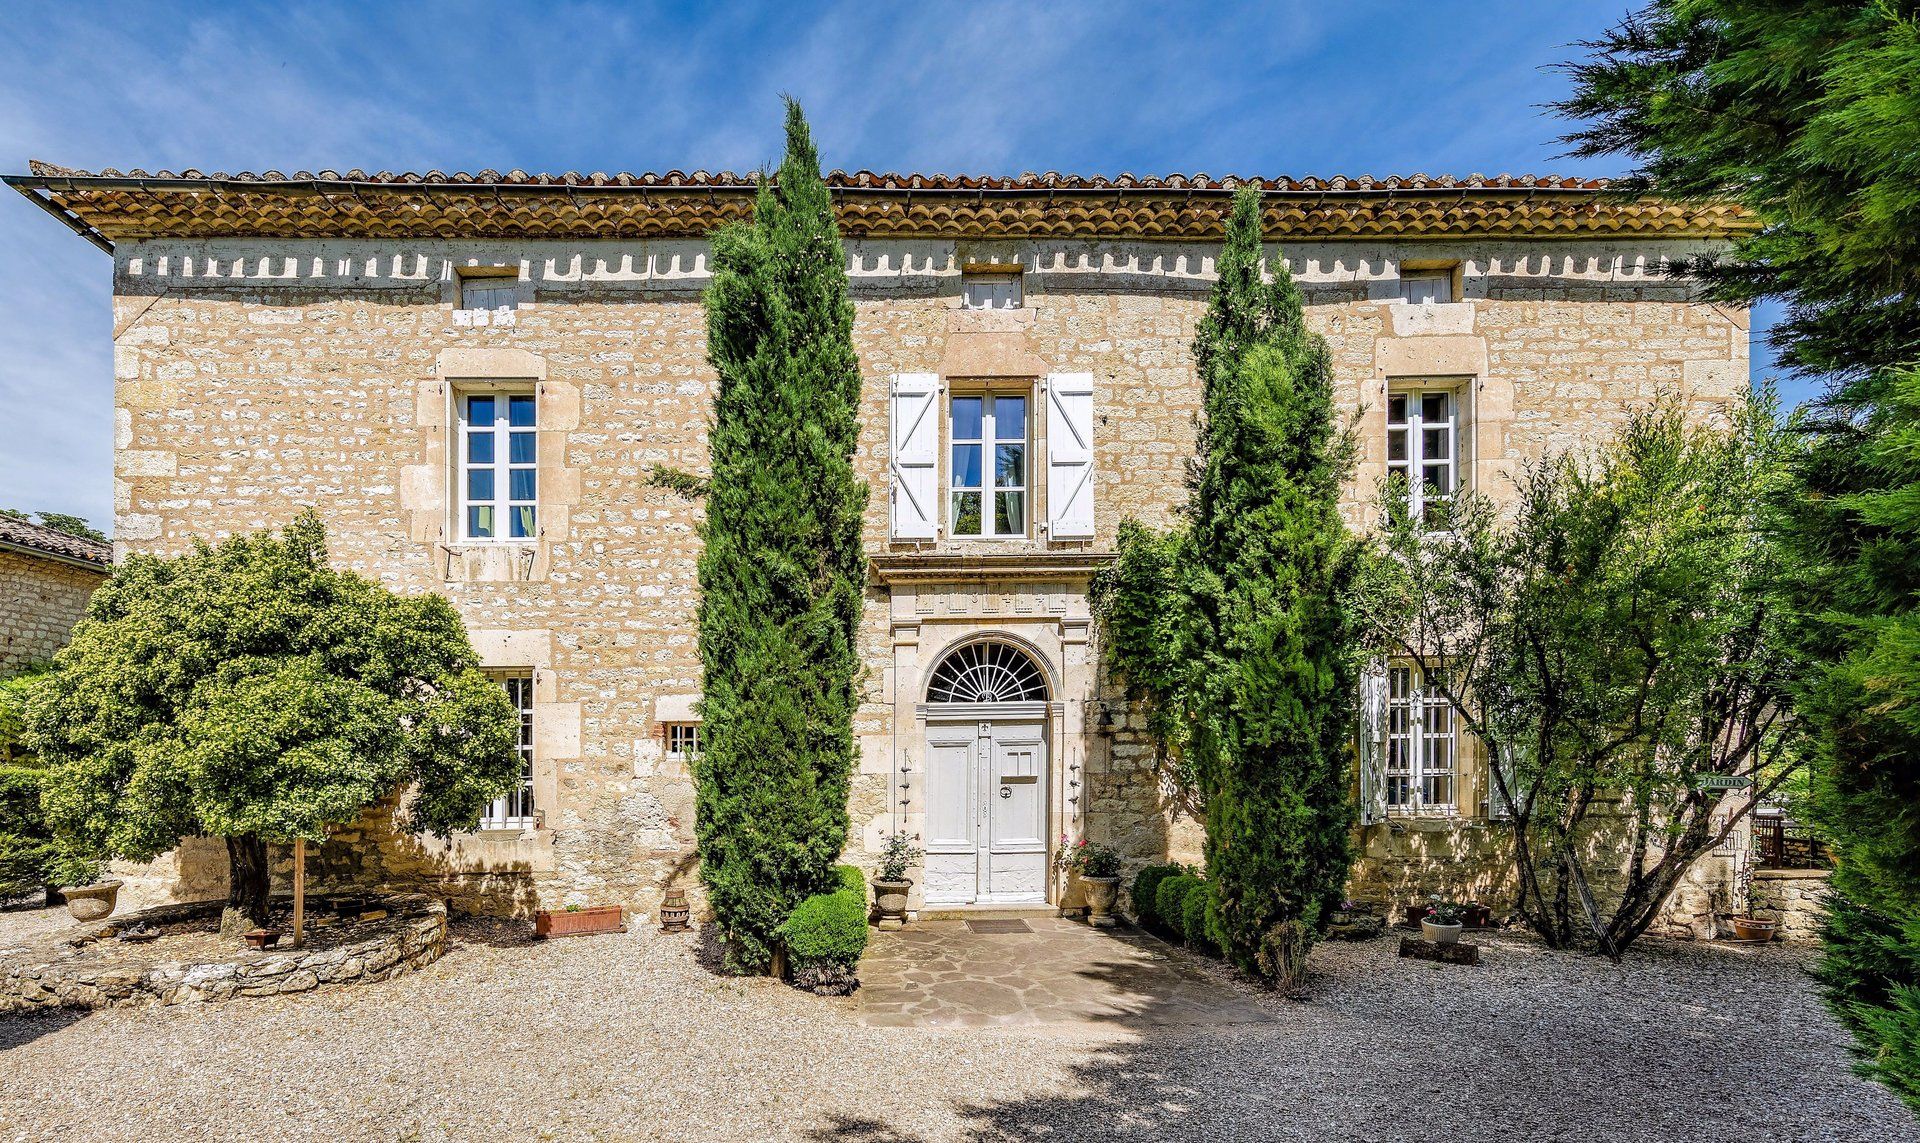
{"x":1300,"y":88}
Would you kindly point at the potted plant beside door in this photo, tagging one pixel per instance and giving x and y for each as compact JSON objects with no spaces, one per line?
{"x":890,"y":884}
{"x":1098,"y":867}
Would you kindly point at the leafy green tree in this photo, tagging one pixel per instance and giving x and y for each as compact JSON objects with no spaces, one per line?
{"x":1619,"y":640}
{"x":29,"y":858}
{"x":1807,"y":113}
{"x":782,"y":567}
{"x":249,"y":691}
{"x":1233,"y":629}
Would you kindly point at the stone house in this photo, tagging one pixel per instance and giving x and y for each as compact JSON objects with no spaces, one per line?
{"x":46,"y":578}
{"x":472,"y":376}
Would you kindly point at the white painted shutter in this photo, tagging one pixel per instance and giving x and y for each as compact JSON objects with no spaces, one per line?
{"x":1498,"y":807}
{"x":915,"y":455}
{"x":1373,"y":745}
{"x":1070,"y":456}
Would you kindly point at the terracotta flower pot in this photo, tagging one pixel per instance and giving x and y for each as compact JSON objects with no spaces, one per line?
{"x":91,"y":902}
{"x":1440,"y":934}
{"x":1753,"y":928}
{"x":1100,"y":893}
{"x":579,"y":922}
{"x":890,"y":899}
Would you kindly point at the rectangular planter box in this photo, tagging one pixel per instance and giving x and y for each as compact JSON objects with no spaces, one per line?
{"x":579,"y":922}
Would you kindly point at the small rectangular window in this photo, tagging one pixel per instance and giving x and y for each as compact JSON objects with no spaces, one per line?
{"x":683,"y":741}
{"x":988,"y":434}
{"x":1422,"y":746}
{"x":499,"y":472}
{"x":489,"y":293}
{"x":515,"y":811}
{"x":1426,"y":287}
{"x":991,"y":292}
{"x":1422,"y":442}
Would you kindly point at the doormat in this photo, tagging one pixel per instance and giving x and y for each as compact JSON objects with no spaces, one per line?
{"x":994,"y":925}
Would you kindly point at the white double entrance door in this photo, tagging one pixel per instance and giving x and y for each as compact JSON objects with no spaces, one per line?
{"x":986,"y":799}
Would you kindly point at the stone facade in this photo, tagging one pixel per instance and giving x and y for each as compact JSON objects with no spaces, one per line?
{"x":46,"y":578}
{"x":256,"y":376}
{"x":1797,"y":898}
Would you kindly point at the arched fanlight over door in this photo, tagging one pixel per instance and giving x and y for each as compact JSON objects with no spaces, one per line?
{"x":987,"y":672}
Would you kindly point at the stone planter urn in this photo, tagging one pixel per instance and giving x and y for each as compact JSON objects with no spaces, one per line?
{"x":91,"y":902}
{"x":890,"y":899}
{"x":1440,"y":934}
{"x":1100,"y":892}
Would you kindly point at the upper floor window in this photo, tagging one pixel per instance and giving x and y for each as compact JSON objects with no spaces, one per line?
{"x":1421,"y":287}
{"x":988,"y":479}
{"x":1422,"y":443}
{"x":498,"y":470}
{"x":489,"y":293}
{"x":1422,"y":763}
{"x":515,"y":810}
{"x":991,"y":292}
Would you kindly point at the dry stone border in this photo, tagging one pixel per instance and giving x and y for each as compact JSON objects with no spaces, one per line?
{"x":68,"y":971}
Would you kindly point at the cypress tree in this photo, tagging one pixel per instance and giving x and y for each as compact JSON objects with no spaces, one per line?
{"x":781,"y":571}
{"x":1804,"y":113}
{"x":1250,"y":594}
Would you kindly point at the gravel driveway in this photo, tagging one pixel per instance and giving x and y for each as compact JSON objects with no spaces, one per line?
{"x":635,"y":1038}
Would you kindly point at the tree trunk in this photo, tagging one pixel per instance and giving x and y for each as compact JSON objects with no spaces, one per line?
{"x":246,"y":885}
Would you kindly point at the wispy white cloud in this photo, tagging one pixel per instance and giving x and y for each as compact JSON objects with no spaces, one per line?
{"x":991,"y":86}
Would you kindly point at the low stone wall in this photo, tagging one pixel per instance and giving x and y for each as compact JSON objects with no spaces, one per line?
{"x":55,"y":974}
{"x":1795,"y":897}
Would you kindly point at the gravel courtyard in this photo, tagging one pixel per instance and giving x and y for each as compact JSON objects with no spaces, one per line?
{"x":635,"y":1038}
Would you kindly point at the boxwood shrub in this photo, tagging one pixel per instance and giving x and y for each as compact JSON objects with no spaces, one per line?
{"x":1200,"y":917}
{"x":1169,"y":901}
{"x":1145,"y":884}
{"x":826,"y":935}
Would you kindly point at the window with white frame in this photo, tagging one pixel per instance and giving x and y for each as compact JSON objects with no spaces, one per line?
{"x":498,"y":478}
{"x":683,"y":741}
{"x":1426,"y":287}
{"x":1422,"y":446}
{"x":1422,"y":763}
{"x":515,"y":810}
{"x":991,"y":292}
{"x":988,"y":478}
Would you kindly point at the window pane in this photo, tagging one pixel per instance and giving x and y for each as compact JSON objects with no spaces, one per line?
{"x":520,"y":484}
{"x":480,"y":484}
{"x":1433,"y":407}
{"x":480,"y":522}
{"x":480,"y":411}
{"x":520,"y":448}
{"x":966,"y":513}
{"x":1439,"y":479}
{"x":1396,"y":444}
{"x":479,"y":448}
{"x":1433,"y":443}
{"x":966,"y":418}
{"x":520,"y":411}
{"x":966,"y":466}
{"x":520,"y":517}
{"x":1010,"y":466}
{"x":1010,"y":513}
{"x":1397,"y":410}
{"x":1010,"y":418}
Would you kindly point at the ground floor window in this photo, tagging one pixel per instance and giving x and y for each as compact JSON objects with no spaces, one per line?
{"x":1422,"y":763}
{"x":515,"y":811}
{"x":683,"y":741}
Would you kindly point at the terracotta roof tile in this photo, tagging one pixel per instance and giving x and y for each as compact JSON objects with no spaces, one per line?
{"x":109,"y":205}
{"x":25,"y":535}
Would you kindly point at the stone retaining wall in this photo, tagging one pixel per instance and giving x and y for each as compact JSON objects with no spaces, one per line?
{"x":1796,"y":897}
{"x":49,"y":976}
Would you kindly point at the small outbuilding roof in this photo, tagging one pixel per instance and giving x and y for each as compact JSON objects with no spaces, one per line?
{"x":32,"y":539}
{"x":109,"y":205}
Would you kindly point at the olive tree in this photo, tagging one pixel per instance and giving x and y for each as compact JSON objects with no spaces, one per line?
{"x":249,"y":691}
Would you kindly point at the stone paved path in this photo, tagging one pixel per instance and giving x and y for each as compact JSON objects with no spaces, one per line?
{"x":943,"y":974}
